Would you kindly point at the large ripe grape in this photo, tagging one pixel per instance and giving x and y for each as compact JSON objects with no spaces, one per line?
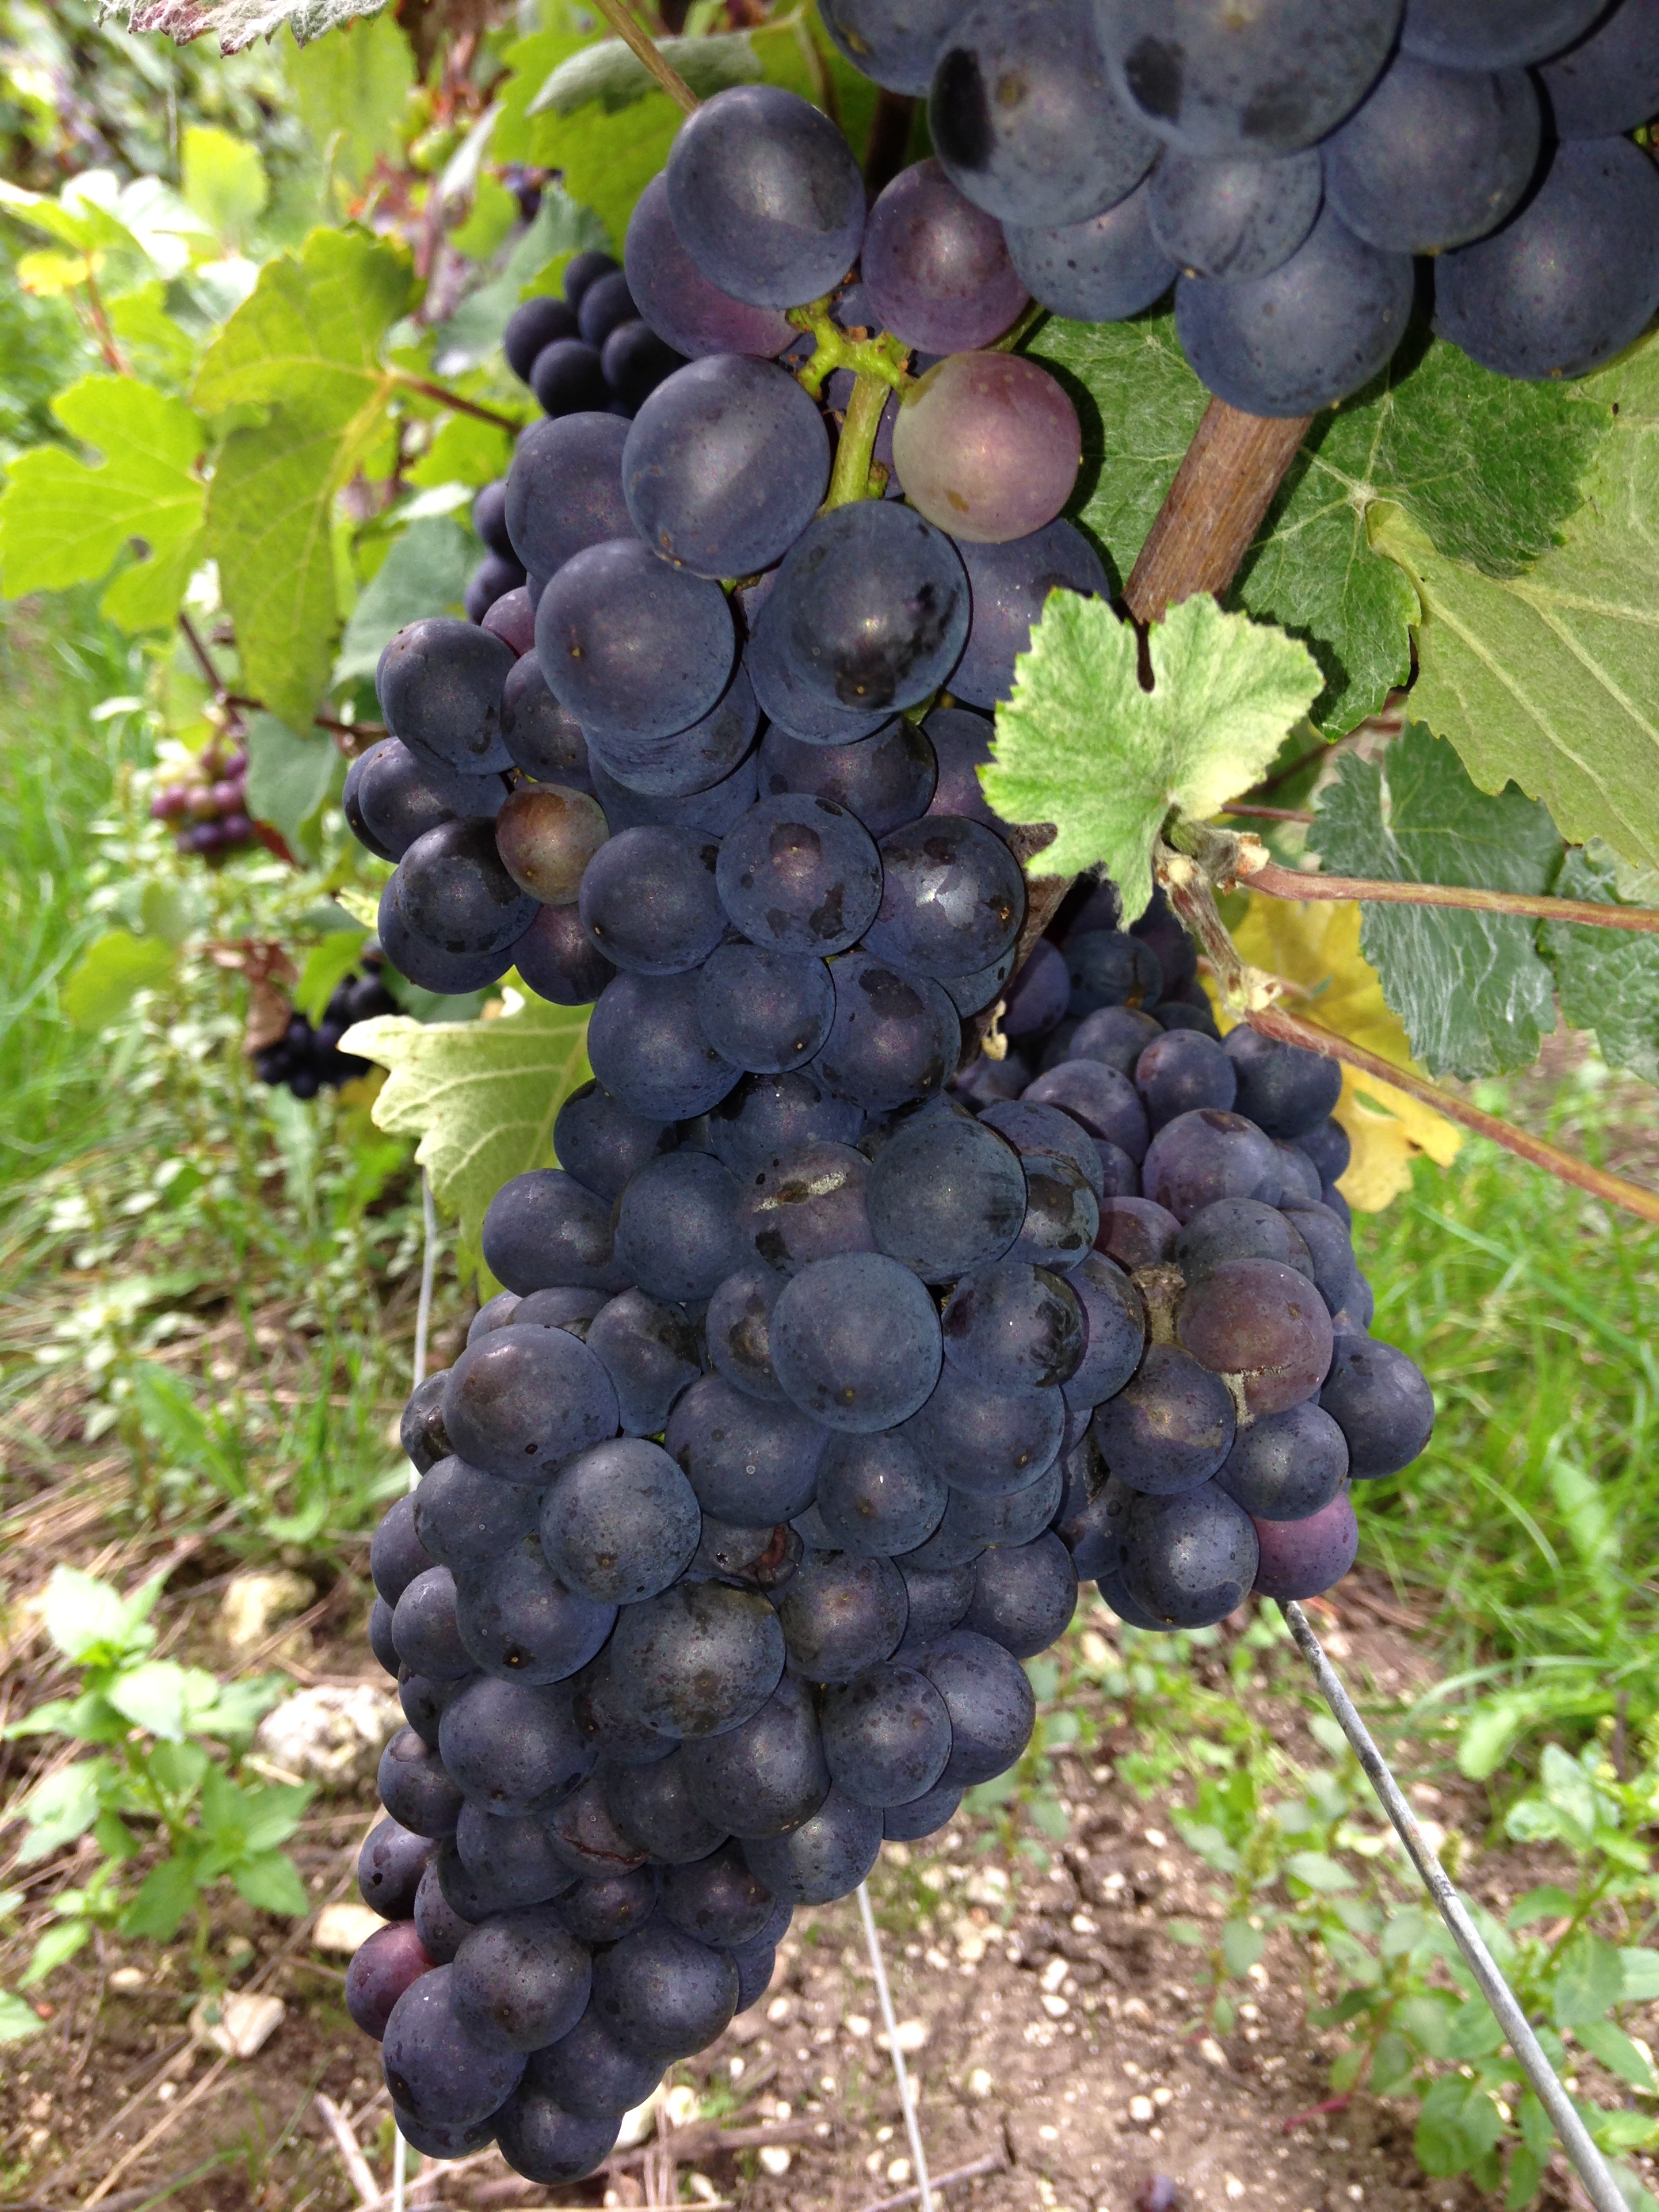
{"x":1206,"y":1155}
{"x":1039,"y":1131}
{"x":1235,"y":219}
{"x":417,"y":962}
{"x":620,"y":1523}
{"x":439,"y":683}
{"x":589,"y":2074}
{"x":764,"y":1008}
{"x":1014,"y":1328}
{"x":436,"y":2070}
{"x":648,"y":900}
{"x":1189,"y":1560}
{"x":1306,"y":1558}
{"x":381,"y":1969}
{"x":939,"y":1597}
{"x":1435,"y":157}
{"x":652,"y":1806}
{"x":1010,"y":586}
{"x":452,"y":892}
{"x":765,"y":1118}
{"x":520,"y":1981}
{"x":545,"y":2143}
{"x":749,"y":1462}
{"x":987,"y":447}
{"x":886,"y":1736}
{"x":714,"y":808}
{"x":827,"y":1856}
{"x":792,"y":706}
{"x":606,"y":304}
{"x":1264,"y":1322}
{"x":946,"y":1195}
{"x":1571,"y":279}
{"x":513,"y":1746}
{"x":604,"y":1721}
{"x":875,"y":1497}
{"x":543,"y":1230}
{"x":698,"y":1659}
{"x":585,"y":1835}
{"x":1282,"y":1089}
{"x":962,"y":745}
{"x":389,"y":1866}
{"x":1102,"y":270}
{"x":895,"y":42}
{"x":445,"y":2141}
{"x":1114,"y":1331}
{"x":1110,"y":967}
{"x":907,"y":1824}
{"x":662,"y":1993}
{"x":1330,"y":1249}
{"x":520,"y":1623}
{"x":895,"y":1038}
{"x":396,"y":1554}
{"x":765,"y":196}
{"x":936,"y":266}
{"x":636,"y":361}
{"x":1023,"y":116}
{"x":952,"y":898}
{"x":1170,"y":1428}
{"x":1327,"y":1145}
{"x":766,"y":1776}
{"x":1490,"y":34}
{"x":800,"y":873}
{"x":807,"y":1206}
{"x":987,"y":1442}
{"x":870,"y":610}
{"x":532,"y":325}
{"x":1287,"y":1466}
{"x":1035,"y":1000}
{"x":1382,"y":1402}
{"x":677,"y":301}
{"x":647,"y":1048}
{"x":398,"y":797}
{"x":564,"y":491}
{"x":842,"y":1613}
{"x":1239,"y":1229}
{"x":496,"y":1863}
{"x":567,"y":378}
{"x":855,"y":1341}
{"x":724,"y":466}
{"x":688,"y":762}
{"x":990,"y":1703}
{"x":602,"y":1142}
{"x":423,"y":1630}
{"x":1221,"y":81}
{"x":1608,"y":83}
{"x":412,"y":1785}
{"x":1101,"y":1101}
{"x":630,"y":644}
{"x":1182,"y":1072}
{"x":884,"y":780}
{"x":557,"y":960}
{"x":1024,"y":1595}
{"x":546,"y":834}
{"x":738,"y":1326}
{"x":1321,"y":325}
{"x":523,"y":1399}
{"x":717,"y":1899}
{"x":1062,"y":1214}
{"x":648,"y":1348}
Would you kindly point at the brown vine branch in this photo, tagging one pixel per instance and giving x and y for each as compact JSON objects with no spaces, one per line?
{"x":200,"y":655}
{"x":114,"y":357}
{"x":645,"y":49}
{"x":1293,"y":1028}
{"x":1267,"y":813}
{"x":445,"y":397}
{"x":1289,"y":883}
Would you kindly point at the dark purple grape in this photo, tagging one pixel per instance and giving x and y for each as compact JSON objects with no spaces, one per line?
{"x":937,"y":268}
{"x":748,"y":1461}
{"x":827,"y":1856}
{"x":946,"y":1194}
{"x":522,"y":1399}
{"x":1024,"y":1595}
{"x":1103,"y":1101}
{"x":765,"y":1777}
{"x":698,"y":1659}
{"x":424,"y":1634}
{"x":662,"y":1993}
{"x":389,"y":1868}
{"x":990,"y":1703}
{"x":1287,"y":1466}
{"x":986,"y":1441}
{"x":396,"y":1554}
{"x":1382,"y":1402}
{"x":652,"y":1806}
{"x":883,"y":780}
{"x":737,"y":1328}
{"x":590,"y":2075}
{"x":1189,"y":1560}
{"x":513,"y":1746}
{"x":436,"y":2070}
{"x":1203,"y":1156}
{"x":1263,"y":1322}
{"x":520,"y":1981}
{"x":1169,"y":1428}
{"x":1114,"y":1331}
{"x":414,"y":1788}
{"x":842,"y":1613}
{"x":1306,"y":1558}
{"x":544,"y":1230}
{"x":607,"y":1906}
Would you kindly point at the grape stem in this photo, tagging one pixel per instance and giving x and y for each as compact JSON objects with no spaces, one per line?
{"x":852,"y":477}
{"x":646,"y":50}
{"x":883,"y":356}
{"x":1249,"y":994}
{"x":445,"y":397}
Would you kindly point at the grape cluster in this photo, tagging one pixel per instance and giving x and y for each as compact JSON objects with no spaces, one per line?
{"x":1281,"y":165}
{"x":212,"y":806}
{"x":305,"y":1060}
{"x":833,"y":1354}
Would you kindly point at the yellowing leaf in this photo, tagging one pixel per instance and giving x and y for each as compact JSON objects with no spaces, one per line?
{"x":48,"y":276}
{"x":1081,"y":745}
{"x":480,"y":1096}
{"x":1314,"y":944}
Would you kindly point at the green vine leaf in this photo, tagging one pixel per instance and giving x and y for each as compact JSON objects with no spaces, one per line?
{"x":1608,"y":979}
{"x":481,"y":1096}
{"x":1082,"y":745}
{"x":236,"y":23}
{"x":1471,"y":988}
{"x":1490,"y":469}
{"x":425,"y":572}
{"x":1547,"y":677}
{"x":65,"y":521}
{"x":304,"y":349}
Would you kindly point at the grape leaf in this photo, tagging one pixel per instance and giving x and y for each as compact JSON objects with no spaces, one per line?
{"x":425,"y":572}
{"x":1547,"y":677}
{"x":1490,"y":469}
{"x":351,"y":93}
{"x":63,"y":521}
{"x":288,"y":777}
{"x":236,"y":23}
{"x":1313,"y":944}
{"x":1081,"y":745}
{"x":1608,"y":979}
{"x":1474,"y":993}
{"x":18,"y":2020}
{"x":305,"y":346}
{"x":480,"y":1096}
{"x":109,"y":975}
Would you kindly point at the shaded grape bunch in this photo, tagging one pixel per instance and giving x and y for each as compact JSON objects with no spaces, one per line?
{"x":833,"y":1355}
{"x":305,"y":1060}
{"x":210,"y":808}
